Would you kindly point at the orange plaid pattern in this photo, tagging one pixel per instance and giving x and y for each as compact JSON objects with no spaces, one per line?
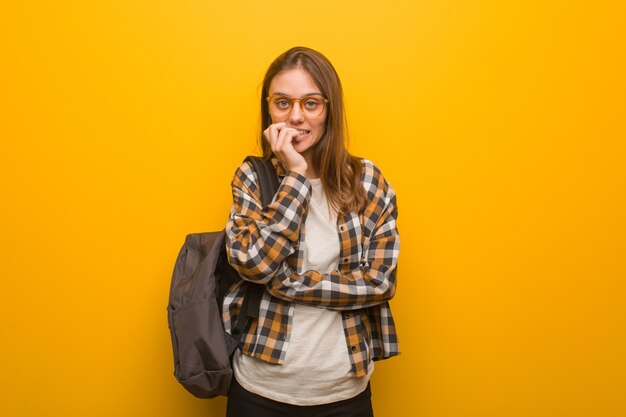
{"x":263,"y":246}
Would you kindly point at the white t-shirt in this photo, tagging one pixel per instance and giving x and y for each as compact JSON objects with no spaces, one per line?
{"x":317,"y":367}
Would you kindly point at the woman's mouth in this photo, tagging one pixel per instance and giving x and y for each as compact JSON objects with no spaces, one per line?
{"x":302,"y":133}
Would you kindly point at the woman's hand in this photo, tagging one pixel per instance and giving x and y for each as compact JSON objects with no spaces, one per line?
{"x":280,"y":136}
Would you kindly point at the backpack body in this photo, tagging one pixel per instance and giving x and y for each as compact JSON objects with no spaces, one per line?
{"x":201,"y":277}
{"x":201,"y":347}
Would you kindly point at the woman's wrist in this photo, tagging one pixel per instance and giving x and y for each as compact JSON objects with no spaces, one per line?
{"x":301,"y":169}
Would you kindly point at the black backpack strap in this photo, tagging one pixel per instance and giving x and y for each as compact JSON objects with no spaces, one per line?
{"x":268,"y":181}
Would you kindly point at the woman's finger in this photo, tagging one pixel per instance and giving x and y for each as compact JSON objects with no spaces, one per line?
{"x":281,"y":145}
{"x":273,"y":130}
{"x":273,"y":136}
{"x":284,"y":140}
{"x":286,"y":135}
{"x":271,"y":133}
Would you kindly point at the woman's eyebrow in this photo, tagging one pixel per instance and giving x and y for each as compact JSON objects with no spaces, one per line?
{"x":287,"y":95}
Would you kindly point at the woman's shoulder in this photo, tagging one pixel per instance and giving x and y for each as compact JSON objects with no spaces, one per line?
{"x":245,"y":177}
{"x":371,"y":175}
{"x":245,"y":174}
{"x":246,"y":168}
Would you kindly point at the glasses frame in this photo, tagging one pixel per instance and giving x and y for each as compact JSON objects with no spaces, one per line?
{"x":299,"y":100}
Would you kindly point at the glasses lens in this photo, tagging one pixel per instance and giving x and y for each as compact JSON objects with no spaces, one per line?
{"x":280,"y":105}
{"x":312,"y":106}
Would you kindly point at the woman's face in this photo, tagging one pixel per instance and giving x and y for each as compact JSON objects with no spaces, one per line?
{"x":298,"y":83}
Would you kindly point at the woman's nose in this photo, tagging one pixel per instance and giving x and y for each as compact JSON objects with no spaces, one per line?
{"x":295,"y":114}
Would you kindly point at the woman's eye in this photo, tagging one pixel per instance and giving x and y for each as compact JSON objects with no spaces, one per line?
{"x":311,"y":104}
{"x":282,"y":103}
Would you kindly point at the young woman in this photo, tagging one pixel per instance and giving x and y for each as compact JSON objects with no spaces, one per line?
{"x":325,"y":249}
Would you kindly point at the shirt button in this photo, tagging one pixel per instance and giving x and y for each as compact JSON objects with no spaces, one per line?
{"x":346,"y":316}
{"x":342,"y":228}
{"x":353,"y":348}
{"x":345,"y":260}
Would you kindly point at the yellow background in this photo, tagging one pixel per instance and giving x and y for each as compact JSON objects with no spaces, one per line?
{"x":500,"y":124}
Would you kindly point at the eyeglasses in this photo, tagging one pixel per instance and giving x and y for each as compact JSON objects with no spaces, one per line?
{"x":311,"y":106}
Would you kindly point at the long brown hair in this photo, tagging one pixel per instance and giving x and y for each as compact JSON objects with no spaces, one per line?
{"x":340,"y":172}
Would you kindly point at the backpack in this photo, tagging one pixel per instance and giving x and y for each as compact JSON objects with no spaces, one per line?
{"x":201,"y":278}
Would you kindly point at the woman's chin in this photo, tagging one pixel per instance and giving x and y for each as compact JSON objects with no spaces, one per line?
{"x":299,"y":147}
{"x":304,"y":144}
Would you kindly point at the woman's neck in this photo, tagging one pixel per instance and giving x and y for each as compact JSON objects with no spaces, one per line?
{"x":311,"y":175}
{"x":311,"y":172}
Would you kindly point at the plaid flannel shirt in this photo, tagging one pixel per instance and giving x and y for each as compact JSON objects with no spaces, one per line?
{"x":263,"y":246}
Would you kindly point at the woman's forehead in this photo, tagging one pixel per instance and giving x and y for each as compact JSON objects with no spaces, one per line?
{"x":295,"y":82}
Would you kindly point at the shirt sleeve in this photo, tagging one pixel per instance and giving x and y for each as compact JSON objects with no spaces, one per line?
{"x":258,"y":239}
{"x":373,"y":282}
